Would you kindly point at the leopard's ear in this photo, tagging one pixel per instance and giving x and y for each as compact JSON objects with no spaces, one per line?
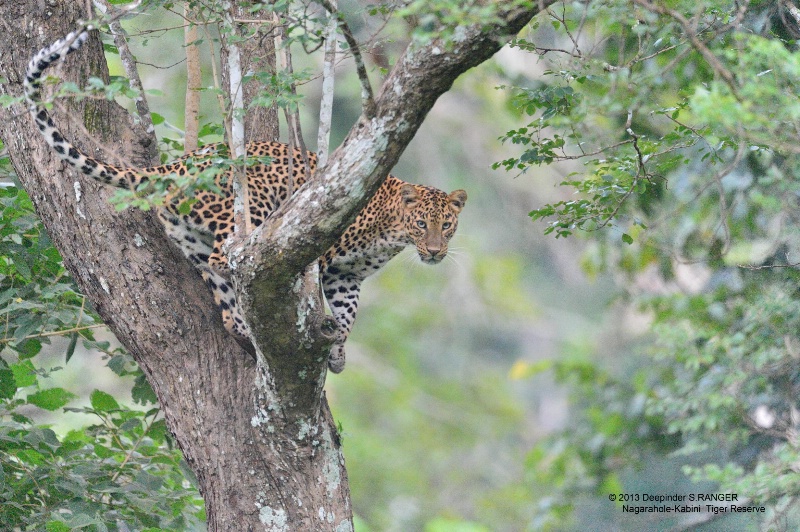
{"x":457,"y":200}
{"x":408,"y":193}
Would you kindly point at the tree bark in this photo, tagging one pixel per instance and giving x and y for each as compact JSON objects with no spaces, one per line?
{"x":259,"y":436}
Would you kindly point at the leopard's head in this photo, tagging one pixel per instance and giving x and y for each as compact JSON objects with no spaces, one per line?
{"x":430,"y":218}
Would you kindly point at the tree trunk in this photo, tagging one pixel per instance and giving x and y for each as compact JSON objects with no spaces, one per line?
{"x":259,"y":436}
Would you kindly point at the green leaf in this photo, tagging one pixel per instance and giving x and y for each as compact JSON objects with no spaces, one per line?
{"x":148,"y":482}
{"x":80,"y":520}
{"x":158,"y":431}
{"x":57,"y":526}
{"x":103,"y":402}
{"x":142,"y":393}
{"x":628,"y":239}
{"x":29,"y":348}
{"x":185,"y":207}
{"x":8,"y":384}
{"x":24,"y":373}
{"x":42,"y":436}
{"x":51,"y":399}
{"x":73,"y":342}
{"x":102,"y":452}
{"x":117,"y":364}
{"x":156,"y":118}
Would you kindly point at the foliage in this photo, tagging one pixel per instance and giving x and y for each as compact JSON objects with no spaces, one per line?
{"x":685,"y":120}
{"x":119,"y":472}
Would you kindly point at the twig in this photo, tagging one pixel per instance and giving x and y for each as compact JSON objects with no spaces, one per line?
{"x":159,"y":67}
{"x":767,"y":266}
{"x":367,"y":98}
{"x":640,"y":158}
{"x":598,"y":151}
{"x":541,"y":50}
{"x":658,"y":52}
{"x":80,"y":313}
{"x":576,"y":51}
{"x":53,"y":333}
{"x":641,"y":172}
{"x":134,"y":447}
{"x":116,"y":16}
{"x":723,"y":203}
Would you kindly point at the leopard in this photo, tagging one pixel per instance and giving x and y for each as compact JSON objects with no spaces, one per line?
{"x":398,"y":215}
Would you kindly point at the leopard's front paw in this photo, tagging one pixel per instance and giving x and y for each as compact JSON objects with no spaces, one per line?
{"x":336,"y":358}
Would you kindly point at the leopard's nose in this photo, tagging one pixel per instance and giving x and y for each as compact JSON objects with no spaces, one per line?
{"x":434,"y":251}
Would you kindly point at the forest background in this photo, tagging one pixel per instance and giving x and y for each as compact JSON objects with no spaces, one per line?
{"x":521,"y":383}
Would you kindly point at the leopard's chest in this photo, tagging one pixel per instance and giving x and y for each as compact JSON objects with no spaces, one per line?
{"x":361,"y":262}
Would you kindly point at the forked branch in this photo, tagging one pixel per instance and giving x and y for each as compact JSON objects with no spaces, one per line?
{"x":367,"y":97}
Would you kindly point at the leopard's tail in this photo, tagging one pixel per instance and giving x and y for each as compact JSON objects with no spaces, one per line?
{"x":86,"y":164}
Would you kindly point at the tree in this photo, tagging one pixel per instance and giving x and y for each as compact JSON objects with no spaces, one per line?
{"x":258,"y":436}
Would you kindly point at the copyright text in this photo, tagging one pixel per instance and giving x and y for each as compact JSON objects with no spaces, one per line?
{"x":681,"y":503}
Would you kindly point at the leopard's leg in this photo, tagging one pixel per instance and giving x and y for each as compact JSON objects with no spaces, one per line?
{"x":221,"y":228}
{"x":197,"y":246}
{"x":341,"y":291}
{"x":217,"y":258}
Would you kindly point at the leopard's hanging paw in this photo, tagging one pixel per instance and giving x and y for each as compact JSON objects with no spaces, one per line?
{"x":336,"y":358}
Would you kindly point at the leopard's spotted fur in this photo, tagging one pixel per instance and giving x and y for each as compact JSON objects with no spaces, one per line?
{"x":400,"y":214}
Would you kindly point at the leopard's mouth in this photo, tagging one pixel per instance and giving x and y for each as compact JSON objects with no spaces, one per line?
{"x":432,"y":259}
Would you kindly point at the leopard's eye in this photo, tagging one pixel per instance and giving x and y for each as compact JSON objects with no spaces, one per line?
{"x":446,"y":225}
{"x":421,"y":224}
